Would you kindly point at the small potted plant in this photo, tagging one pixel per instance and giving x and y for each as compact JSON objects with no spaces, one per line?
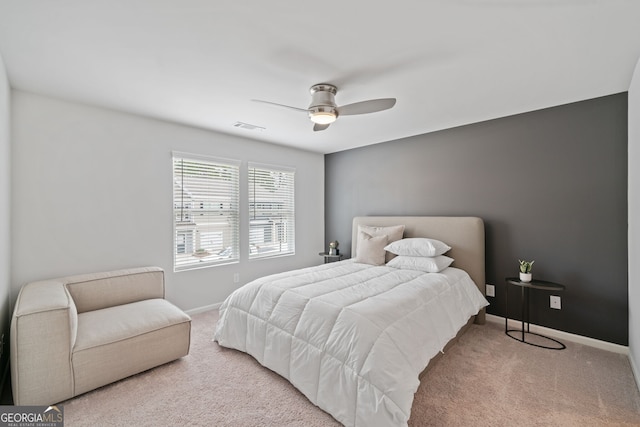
{"x":525,"y":270}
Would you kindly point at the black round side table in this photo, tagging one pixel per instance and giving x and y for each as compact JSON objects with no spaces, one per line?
{"x":330,"y":257}
{"x":524,"y":302}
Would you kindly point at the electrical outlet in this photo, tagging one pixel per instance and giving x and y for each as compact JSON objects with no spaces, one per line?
{"x":236,"y":277}
{"x":554,"y":302}
{"x":490,"y":290}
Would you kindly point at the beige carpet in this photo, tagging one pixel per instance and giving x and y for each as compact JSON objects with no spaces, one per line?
{"x":487,"y":379}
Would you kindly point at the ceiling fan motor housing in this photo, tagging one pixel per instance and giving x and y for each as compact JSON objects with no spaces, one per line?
{"x":323,"y":100}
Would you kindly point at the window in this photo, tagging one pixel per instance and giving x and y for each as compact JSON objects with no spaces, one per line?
{"x":271,"y":211}
{"x":205,"y":204}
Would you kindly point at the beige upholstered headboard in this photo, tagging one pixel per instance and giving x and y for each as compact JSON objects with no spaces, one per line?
{"x":465,"y":235}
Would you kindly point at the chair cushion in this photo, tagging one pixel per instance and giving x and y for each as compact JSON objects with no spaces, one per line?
{"x":116,"y":342}
{"x":100,"y":327}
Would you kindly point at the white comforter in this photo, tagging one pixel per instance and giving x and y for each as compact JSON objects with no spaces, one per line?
{"x":352,"y":337}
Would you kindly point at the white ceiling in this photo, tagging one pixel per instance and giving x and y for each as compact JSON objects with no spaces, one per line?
{"x":200,"y":62}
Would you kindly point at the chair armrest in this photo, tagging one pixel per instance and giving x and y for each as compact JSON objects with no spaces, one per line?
{"x":43,"y":332}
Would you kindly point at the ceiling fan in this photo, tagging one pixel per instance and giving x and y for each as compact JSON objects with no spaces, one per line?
{"x":323,"y":109}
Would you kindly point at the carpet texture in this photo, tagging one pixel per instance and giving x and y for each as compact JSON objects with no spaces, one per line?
{"x":486,"y":379}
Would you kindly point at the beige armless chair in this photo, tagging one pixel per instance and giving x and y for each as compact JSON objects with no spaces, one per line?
{"x":74,"y":334}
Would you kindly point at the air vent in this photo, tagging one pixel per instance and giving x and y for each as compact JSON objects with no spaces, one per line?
{"x":248,"y":126}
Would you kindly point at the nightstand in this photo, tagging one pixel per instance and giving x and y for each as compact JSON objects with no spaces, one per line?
{"x":525,"y":287}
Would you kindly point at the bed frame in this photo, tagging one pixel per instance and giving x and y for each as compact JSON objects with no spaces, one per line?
{"x":465,"y":235}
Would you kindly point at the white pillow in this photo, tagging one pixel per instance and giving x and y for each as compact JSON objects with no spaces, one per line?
{"x":393,"y":233}
{"x":418,"y":246}
{"x":421,"y":263}
{"x":371,"y":249}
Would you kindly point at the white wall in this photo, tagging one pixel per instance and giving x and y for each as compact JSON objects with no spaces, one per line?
{"x":5,"y":201}
{"x":92,"y":191}
{"x":634,"y":221}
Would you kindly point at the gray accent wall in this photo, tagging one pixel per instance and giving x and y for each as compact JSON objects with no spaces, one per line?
{"x":551,"y":186}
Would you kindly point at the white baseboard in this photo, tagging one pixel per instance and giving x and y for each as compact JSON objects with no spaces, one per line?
{"x":634,"y":369}
{"x":591,"y":342}
{"x":203,"y":309}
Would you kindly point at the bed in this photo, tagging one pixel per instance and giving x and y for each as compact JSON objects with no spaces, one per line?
{"x":353,"y":337}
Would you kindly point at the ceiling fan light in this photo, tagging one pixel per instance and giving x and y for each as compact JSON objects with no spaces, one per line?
{"x":323,"y":115}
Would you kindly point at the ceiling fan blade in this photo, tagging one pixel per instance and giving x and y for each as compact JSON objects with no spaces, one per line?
{"x":365,"y":107}
{"x":317,"y":127}
{"x":281,"y":105}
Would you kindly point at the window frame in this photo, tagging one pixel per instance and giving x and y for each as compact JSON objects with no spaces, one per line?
{"x":274,"y":227}
{"x":228,"y":208}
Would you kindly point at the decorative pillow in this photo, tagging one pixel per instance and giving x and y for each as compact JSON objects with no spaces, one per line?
{"x":421,"y":263}
{"x":393,"y":233}
{"x":371,"y":249}
{"x":418,"y":246}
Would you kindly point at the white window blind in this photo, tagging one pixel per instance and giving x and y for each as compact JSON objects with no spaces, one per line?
{"x":271,"y":211}
{"x":206,"y":211}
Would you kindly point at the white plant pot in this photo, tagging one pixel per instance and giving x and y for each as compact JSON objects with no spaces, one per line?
{"x":525,"y":277}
